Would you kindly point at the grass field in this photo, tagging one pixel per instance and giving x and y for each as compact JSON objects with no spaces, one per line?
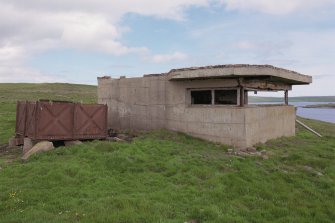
{"x":164,"y":176}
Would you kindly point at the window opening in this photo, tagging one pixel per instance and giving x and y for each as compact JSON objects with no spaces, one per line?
{"x":201,"y":97}
{"x":225,"y":97}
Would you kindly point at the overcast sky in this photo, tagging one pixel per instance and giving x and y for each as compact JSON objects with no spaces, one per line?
{"x":76,"y":41}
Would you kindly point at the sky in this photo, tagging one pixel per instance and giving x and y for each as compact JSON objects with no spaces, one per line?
{"x":76,"y":41}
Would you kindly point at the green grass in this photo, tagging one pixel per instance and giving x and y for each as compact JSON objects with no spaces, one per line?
{"x":324,"y":128}
{"x":164,"y":176}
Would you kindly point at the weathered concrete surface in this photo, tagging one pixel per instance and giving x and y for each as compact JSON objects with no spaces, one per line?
{"x":27,"y":145}
{"x":39,"y":147}
{"x":13,"y":142}
{"x":154,"y":102}
{"x":269,"y":122}
{"x":240,"y":70}
{"x":241,"y":127}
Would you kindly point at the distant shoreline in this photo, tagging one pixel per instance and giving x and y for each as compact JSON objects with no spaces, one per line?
{"x":326,"y":106}
{"x":256,"y":99}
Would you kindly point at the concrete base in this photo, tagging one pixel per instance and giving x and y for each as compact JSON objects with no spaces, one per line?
{"x":27,"y":145}
{"x":15,"y":141}
{"x":39,"y":147}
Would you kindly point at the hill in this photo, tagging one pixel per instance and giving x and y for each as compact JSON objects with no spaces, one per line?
{"x":10,"y":93}
{"x":254,"y":99}
{"x":163,"y":176}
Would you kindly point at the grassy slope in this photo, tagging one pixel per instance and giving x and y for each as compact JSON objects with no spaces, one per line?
{"x":10,"y":93}
{"x":170,"y":177}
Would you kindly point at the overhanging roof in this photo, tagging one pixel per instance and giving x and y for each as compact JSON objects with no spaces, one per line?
{"x":240,"y":70}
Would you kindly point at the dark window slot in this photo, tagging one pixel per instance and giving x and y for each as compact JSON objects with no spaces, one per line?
{"x":225,"y":97}
{"x":201,"y":97}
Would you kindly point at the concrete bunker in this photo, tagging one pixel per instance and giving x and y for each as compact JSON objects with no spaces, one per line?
{"x":207,"y":102}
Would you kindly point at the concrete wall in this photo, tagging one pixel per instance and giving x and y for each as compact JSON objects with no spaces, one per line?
{"x":154,"y":102}
{"x":133,"y":103}
{"x":269,"y":122}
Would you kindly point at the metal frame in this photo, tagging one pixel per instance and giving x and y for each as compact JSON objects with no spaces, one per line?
{"x":189,"y":100}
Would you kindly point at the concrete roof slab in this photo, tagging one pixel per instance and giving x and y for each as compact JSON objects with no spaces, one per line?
{"x":240,"y":70}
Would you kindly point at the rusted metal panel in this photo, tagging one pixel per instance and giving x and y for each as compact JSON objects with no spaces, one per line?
{"x":54,"y":120}
{"x":20,"y":119}
{"x":90,"y":121}
{"x":44,"y":120}
{"x":30,"y":124}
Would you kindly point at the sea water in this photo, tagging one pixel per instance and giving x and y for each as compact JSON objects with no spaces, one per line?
{"x":322,"y":114}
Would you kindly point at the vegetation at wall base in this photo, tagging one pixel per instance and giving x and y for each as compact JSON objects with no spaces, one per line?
{"x":164,"y":176}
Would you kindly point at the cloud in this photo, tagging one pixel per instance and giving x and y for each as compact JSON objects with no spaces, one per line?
{"x":31,"y":27}
{"x":165,"y":58}
{"x":115,"y":9}
{"x":14,"y":69}
{"x":276,"y":7}
{"x":94,"y":33}
{"x":21,"y":73}
{"x":45,"y":30}
{"x":264,"y":49}
{"x":245,"y":45}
